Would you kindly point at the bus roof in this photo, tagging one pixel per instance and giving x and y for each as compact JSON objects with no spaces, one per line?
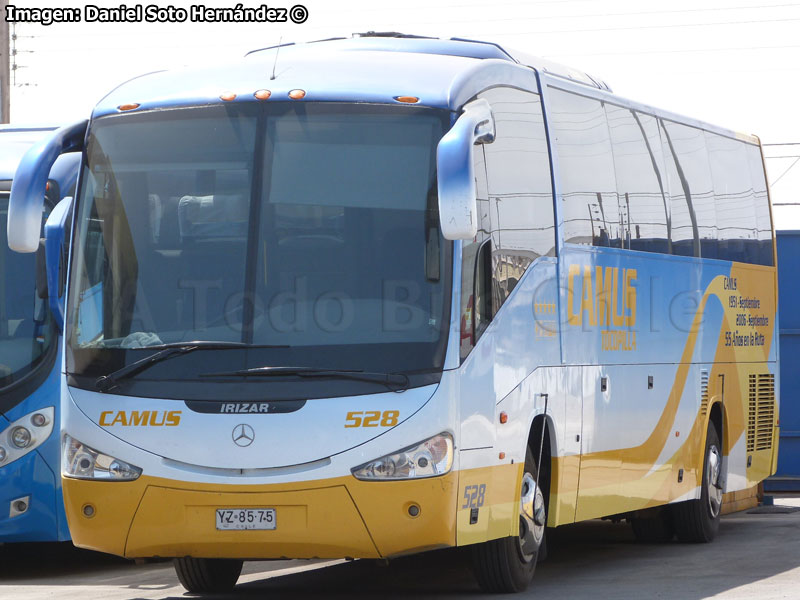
{"x":366,"y":68}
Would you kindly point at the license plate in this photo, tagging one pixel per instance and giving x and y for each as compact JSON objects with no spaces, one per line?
{"x":246,"y":518}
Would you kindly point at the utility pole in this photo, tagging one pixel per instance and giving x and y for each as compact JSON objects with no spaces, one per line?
{"x":5,"y":66}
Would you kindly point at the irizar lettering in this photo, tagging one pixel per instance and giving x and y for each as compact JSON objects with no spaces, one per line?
{"x":244,"y":407}
{"x":140,"y":418}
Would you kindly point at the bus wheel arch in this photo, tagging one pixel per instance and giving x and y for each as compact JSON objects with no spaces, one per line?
{"x":543,"y":424}
{"x":718,"y":417}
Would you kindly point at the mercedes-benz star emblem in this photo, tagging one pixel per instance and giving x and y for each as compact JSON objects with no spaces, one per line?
{"x":243,"y":435}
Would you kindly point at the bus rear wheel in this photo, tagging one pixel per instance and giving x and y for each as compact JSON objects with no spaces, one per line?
{"x":207,"y":575}
{"x":698,"y":520}
{"x":506,"y":565}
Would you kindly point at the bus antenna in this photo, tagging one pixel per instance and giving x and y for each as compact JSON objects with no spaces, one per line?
{"x":275,"y":64}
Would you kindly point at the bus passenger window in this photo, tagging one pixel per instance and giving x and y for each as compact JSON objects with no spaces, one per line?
{"x":694,"y":229}
{"x":593,"y":211}
{"x":763,"y":216}
{"x":641,"y":185}
{"x":735,"y":198}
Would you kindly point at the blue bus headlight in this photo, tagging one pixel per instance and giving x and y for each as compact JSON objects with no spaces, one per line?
{"x":430,"y":458}
{"x":21,"y":437}
{"x":82,"y":462}
{"x":25,"y":435}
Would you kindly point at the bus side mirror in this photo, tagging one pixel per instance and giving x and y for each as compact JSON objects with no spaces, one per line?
{"x":54,"y":234}
{"x":458,"y":207}
{"x":30,"y":184}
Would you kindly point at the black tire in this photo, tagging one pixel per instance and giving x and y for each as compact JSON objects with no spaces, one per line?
{"x":207,"y":575}
{"x":501,"y":566}
{"x":697,"y":521}
{"x":656,"y":528}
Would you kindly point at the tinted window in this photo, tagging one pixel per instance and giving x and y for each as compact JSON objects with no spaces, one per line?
{"x":691,"y":191}
{"x":26,"y":328}
{"x":735,"y":198}
{"x":591,"y":207}
{"x":309,"y":231}
{"x":519,"y":186}
{"x":761,"y":199}
{"x":638,"y":162}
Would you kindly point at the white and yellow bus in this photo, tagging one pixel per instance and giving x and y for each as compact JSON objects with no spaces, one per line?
{"x":374,"y":296}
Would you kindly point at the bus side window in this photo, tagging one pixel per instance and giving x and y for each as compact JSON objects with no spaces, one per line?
{"x":641,"y":183}
{"x":694,"y":223}
{"x":735,"y":198}
{"x":593,"y":213}
{"x":763,"y":217}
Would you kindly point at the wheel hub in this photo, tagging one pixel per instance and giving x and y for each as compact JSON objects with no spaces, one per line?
{"x":532,"y":517}
{"x":713,"y":471}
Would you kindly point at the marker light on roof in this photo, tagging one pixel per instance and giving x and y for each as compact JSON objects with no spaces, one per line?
{"x":262,"y":94}
{"x":407,"y":99}
{"x":130,"y":106}
{"x":297,"y":94}
{"x":228,"y":96}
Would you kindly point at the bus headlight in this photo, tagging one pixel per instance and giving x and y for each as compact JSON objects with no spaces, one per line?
{"x":430,"y":458}
{"x":82,"y":462}
{"x":25,"y":434}
{"x":21,"y":437}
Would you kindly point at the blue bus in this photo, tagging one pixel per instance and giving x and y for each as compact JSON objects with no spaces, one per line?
{"x":31,"y":506}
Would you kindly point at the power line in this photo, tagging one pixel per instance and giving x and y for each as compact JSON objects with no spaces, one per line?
{"x":685,"y":51}
{"x":639,"y":27}
{"x":785,"y":172}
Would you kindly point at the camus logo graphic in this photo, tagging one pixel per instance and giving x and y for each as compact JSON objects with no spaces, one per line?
{"x":140,"y":418}
{"x":605,"y":297}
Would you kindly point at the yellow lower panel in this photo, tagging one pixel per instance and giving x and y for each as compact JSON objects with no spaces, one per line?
{"x":384,"y":506}
{"x":497,"y":506}
{"x":318,"y":523}
{"x":333,"y":518}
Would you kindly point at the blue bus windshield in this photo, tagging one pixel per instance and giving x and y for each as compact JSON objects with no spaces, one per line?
{"x":26,"y":328}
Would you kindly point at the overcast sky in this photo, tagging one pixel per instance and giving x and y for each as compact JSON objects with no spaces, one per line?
{"x":735,"y":63}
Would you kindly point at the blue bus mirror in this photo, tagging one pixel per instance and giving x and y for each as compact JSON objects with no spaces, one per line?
{"x":54,"y":234}
{"x":30,"y":183}
{"x":458,"y":207}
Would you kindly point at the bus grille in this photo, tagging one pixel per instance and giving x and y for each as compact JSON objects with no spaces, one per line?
{"x":703,"y":391}
{"x":761,"y":416}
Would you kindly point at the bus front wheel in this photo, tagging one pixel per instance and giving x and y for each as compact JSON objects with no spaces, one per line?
{"x":507,"y":564}
{"x":698,"y":520}
{"x":207,"y":575}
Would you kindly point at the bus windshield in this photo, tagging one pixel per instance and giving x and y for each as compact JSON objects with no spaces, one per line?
{"x":308,"y":232}
{"x":26,"y":328}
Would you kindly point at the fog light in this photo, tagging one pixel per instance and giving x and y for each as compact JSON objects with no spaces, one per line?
{"x":21,"y":437}
{"x":38,"y":420}
{"x":413,"y":510}
{"x":3,"y":454}
{"x":88,"y":511}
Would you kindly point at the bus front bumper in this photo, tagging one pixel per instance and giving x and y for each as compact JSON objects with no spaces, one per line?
{"x":29,"y":480}
{"x":332,"y":518}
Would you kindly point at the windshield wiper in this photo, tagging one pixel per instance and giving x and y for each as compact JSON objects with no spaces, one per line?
{"x":165,"y":351}
{"x":394,"y":381}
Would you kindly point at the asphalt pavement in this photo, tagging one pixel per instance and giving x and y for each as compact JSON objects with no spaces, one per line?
{"x":756,"y":555}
